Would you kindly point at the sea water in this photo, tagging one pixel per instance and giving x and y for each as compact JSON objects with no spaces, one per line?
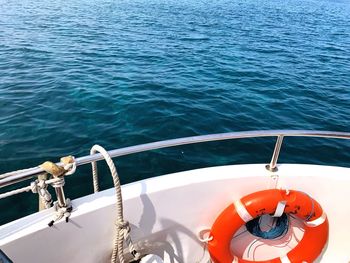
{"x":124,"y":72}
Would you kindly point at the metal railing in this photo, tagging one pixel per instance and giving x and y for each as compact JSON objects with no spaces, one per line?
{"x":17,"y":176}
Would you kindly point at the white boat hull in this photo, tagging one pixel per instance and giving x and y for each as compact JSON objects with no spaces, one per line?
{"x":166,"y":214}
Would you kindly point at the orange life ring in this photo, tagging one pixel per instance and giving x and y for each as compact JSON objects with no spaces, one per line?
{"x":265,"y":202}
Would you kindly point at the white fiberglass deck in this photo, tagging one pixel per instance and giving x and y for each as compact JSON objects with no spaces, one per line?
{"x":166,"y":213}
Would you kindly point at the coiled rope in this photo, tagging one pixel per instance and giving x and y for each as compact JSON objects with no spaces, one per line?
{"x":122,"y":227}
{"x":277,"y":230}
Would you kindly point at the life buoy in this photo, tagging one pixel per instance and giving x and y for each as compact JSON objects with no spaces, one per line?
{"x":265,"y":202}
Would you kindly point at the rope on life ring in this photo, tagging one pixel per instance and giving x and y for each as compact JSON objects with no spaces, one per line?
{"x":265,"y":202}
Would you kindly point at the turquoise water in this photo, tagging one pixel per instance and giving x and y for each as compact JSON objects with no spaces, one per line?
{"x":119,"y":73}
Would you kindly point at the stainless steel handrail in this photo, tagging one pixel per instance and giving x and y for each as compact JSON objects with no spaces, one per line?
{"x":273,"y":164}
{"x":17,"y":176}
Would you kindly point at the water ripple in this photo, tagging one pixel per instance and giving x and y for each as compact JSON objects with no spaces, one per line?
{"x":125,"y":72}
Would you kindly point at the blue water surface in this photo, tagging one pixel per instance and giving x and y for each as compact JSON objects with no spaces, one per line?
{"x":123,"y":72}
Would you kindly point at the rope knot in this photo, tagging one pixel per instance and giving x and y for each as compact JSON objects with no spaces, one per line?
{"x":34,"y":186}
{"x":121,"y":224}
{"x":39,"y":186}
{"x":68,"y":166}
{"x":61,"y":212}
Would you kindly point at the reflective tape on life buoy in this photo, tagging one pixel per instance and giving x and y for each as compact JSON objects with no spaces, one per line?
{"x":265,"y":202}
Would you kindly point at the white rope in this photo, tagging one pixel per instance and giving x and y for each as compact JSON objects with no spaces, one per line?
{"x":94,"y":168}
{"x":16,"y":191}
{"x":204,"y":236}
{"x":61,"y":212}
{"x":122,"y":227}
{"x":40,"y":187}
{"x":24,"y":189}
{"x":70,"y":167}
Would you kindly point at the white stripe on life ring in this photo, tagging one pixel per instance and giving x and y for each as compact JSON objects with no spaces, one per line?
{"x":242,"y":211}
{"x":318,"y":221}
{"x":235,"y":259}
{"x":280,"y":208}
{"x":285,"y":259}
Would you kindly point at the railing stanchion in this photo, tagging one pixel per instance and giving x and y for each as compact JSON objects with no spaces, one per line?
{"x":272,"y":167}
